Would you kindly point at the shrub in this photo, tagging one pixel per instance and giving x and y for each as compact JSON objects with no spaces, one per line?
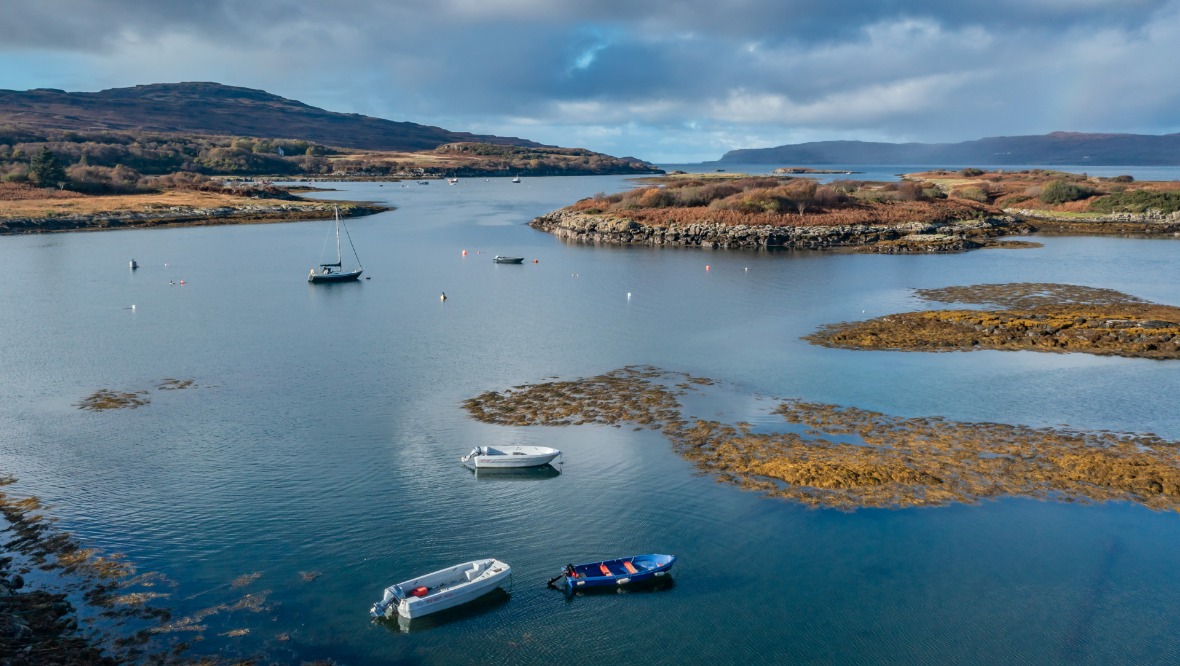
{"x":105,"y":180}
{"x":971,"y":172}
{"x":972,"y":193}
{"x":912,"y":191}
{"x":1061,"y":191}
{"x":1137,"y":202}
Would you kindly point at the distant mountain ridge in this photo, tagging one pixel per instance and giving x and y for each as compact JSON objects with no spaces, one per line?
{"x":1056,"y":148}
{"x":213,"y":108}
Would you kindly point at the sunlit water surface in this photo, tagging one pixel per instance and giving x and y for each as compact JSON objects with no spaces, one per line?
{"x":326,"y":425}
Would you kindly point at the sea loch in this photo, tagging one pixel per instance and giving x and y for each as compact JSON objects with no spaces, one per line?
{"x":322,"y":432}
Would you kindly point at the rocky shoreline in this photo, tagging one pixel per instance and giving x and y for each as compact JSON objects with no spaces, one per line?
{"x":914,"y":237}
{"x":184,"y":216}
{"x":1152,"y":223}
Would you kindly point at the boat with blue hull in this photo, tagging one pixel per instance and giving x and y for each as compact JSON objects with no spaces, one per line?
{"x":615,"y":573}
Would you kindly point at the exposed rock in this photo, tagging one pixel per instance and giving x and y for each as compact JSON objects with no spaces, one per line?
{"x":954,"y":236}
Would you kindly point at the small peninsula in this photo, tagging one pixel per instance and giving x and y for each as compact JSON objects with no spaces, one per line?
{"x":26,"y":209}
{"x":1021,"y":316}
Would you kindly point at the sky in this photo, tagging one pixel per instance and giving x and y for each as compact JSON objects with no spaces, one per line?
{"x":668,"y":81}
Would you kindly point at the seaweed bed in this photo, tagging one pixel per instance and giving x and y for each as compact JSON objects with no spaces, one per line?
{"x":63,"y":603}
{"x":1038,"y":317}
{"x":39,"y":626}
{"x":105,"y":398}
{"x":847,"y":458}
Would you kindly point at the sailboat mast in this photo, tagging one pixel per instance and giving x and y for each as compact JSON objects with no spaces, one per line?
{"x":339,"y":261}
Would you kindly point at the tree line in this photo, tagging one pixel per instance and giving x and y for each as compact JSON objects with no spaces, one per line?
{"x":119,"y":162}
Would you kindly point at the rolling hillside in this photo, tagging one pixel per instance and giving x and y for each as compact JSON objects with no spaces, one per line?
{"x":212,"y":108}
{"x":1057,"y":148}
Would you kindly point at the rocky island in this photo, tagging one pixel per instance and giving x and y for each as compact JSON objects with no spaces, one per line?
{"x":788,"y":213}
{"x":936,"y":211}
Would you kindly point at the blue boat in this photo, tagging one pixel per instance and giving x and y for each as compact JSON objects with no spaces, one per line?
{"x":614,"y":573}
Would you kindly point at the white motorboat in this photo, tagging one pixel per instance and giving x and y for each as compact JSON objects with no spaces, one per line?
{"x":485,"y":457}
{"x":442,"y":589}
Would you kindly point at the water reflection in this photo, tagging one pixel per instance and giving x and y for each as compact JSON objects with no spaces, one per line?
{"x":485,"y":604}
{"x":661,"y":584}
{"x":515,"y":473}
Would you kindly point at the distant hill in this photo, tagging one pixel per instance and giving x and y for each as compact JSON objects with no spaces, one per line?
{"x":1063,"y":148}
{"x":212,"y":108}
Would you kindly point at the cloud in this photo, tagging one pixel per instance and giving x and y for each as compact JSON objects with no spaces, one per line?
{"x":683,"y":80}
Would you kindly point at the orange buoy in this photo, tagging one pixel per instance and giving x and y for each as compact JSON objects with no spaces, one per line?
{"x":706,"y":266}
{"x":536,"y":260}
{"x":464,"y":253}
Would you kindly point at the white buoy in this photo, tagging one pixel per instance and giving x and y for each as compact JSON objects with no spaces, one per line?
{"x":443,"y":298}
{"x":132,"y":306}
{"x":628,"y":295}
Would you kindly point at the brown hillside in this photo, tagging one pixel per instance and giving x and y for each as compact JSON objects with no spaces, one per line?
{"x":212,"y":108}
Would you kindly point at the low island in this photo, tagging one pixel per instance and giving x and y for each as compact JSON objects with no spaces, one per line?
{"x":1021,"y":317}
{"x":936,"y":211}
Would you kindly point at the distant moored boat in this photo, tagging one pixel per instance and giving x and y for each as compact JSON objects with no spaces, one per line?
{"x":333,"y":272}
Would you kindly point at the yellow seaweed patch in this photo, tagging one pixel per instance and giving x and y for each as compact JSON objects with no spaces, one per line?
{"x":610,"y":398}
{"x":103,"y":585}
{"x":245,"y":579}
{"x":104,"y":399}
{"x":846,"y":458}
{"x":1042,"y":317}
{"x":1026,"y":294}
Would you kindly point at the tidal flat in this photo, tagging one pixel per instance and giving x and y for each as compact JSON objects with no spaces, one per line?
{"x":1034,"y":317}
{"x":846,"y":458}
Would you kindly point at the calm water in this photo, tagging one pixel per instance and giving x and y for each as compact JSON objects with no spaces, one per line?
{"x":326,"y":430}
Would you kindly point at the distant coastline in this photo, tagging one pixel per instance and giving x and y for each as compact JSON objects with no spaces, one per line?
{"x":71,"y":212}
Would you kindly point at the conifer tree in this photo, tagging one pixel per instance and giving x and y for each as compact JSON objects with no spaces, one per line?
{"x":45,"y":170}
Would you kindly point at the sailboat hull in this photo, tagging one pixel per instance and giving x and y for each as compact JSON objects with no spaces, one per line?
{"x":329,"y":272}
{"x":319,"y":278}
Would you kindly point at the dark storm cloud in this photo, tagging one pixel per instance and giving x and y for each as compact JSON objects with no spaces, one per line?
{"x":699,"y":73}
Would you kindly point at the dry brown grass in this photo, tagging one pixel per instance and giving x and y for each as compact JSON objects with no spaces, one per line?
{"x":1020,"y":188}
{"x":53,"y":207}
{"x":23,"y":191}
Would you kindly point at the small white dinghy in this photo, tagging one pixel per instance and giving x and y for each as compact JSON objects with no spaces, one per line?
{"x":490,"y":457}
{"x":442,"y":589}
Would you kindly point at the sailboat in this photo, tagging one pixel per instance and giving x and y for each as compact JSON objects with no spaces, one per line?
{"x":334,"y":272}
